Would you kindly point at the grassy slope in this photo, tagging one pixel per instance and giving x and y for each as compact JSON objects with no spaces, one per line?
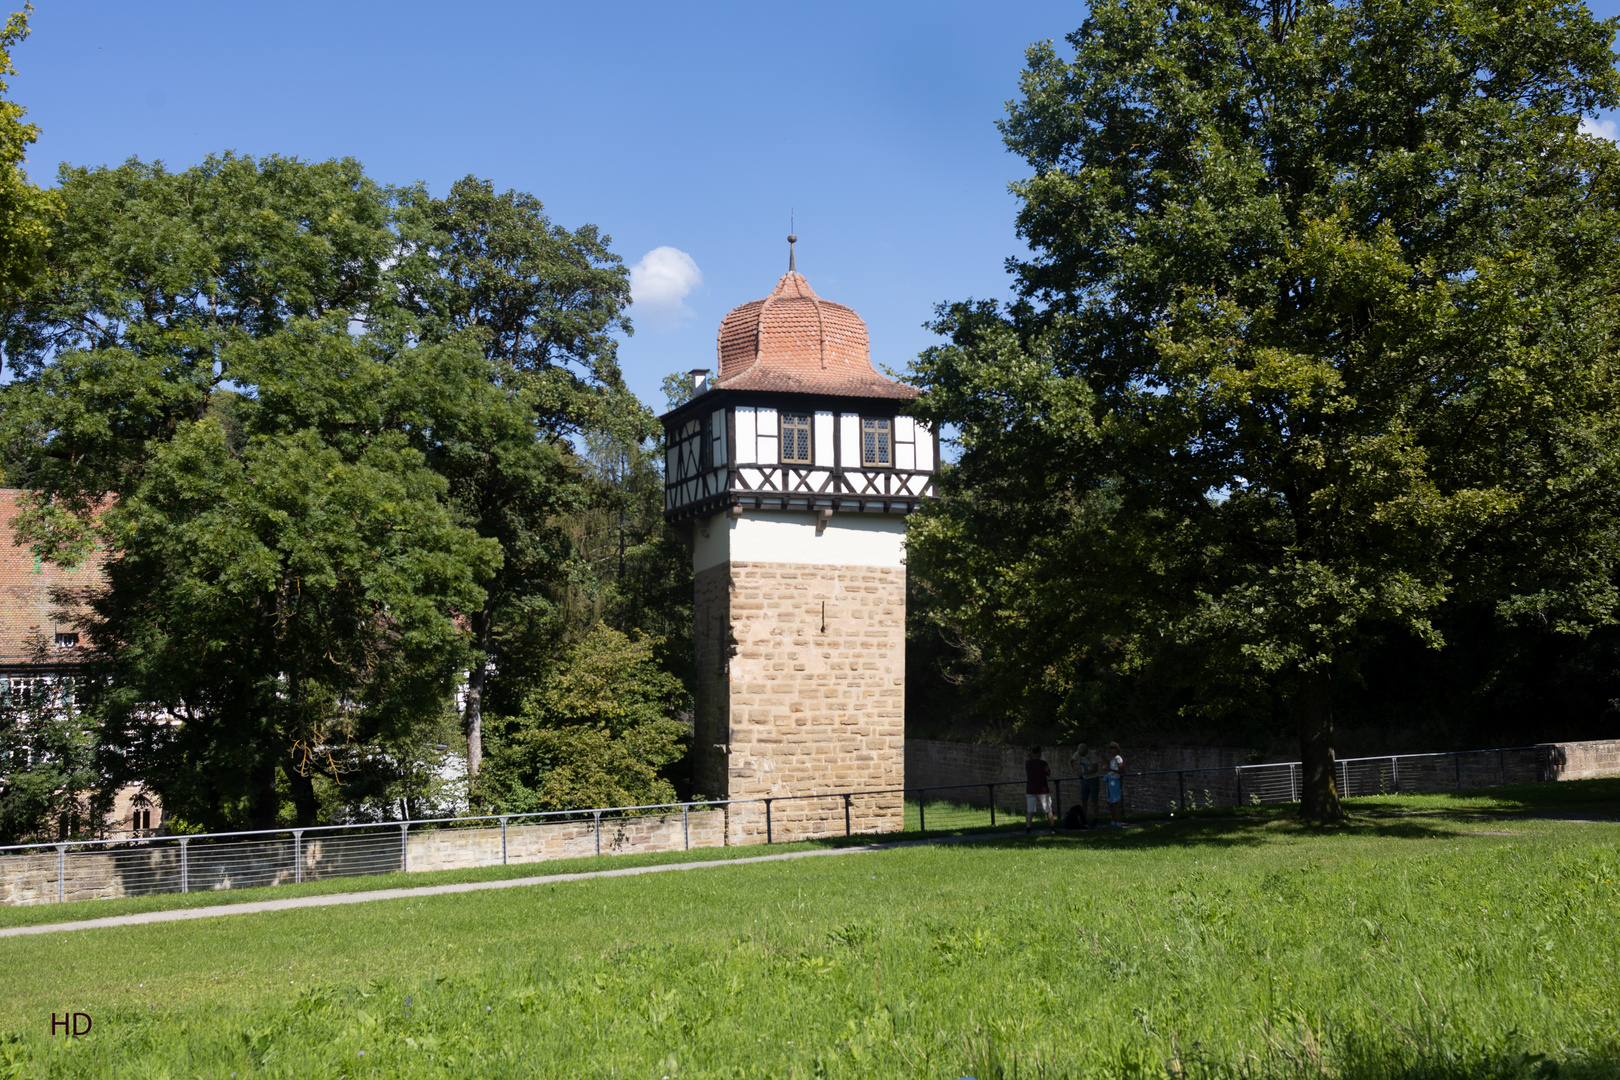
{"x":1418,"y":936}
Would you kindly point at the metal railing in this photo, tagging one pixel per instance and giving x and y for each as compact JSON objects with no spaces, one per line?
{"x":90,"y":869}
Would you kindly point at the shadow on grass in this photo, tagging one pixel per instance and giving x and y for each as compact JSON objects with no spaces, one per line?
{"x":1437,"y":816}
{"x":1600,"y":797}
{"x":1238,"y":830}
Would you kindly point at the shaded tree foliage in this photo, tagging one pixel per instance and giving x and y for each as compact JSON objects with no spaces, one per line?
{"x":596,"y":731}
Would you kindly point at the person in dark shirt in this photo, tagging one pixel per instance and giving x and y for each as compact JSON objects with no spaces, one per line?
{"x":1037,"y":796}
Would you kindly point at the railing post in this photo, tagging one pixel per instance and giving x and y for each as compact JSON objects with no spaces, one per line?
{"x":1293,"y":782}
{"x":1237,"y":771}
{"x":846,"y":814}
{"x":922,"y":810}
{"x":1456,"y":763}
{"x":686,"y":834}
{"x":1344,"y":778}
{"x":1501,"y":760}
{"x":767,"y":821}
{"x":1181,"y":789}
{"x":185,"y":869}
{"x":503,"y":839}
{"x":1057,"y":799}
{"x":298,"y":856}
{"x":1395,"y":774}
{"x":597,"y":814}
{"x":61,"y":873}
{"x":991,"y":788}
{"x":404,"y":847}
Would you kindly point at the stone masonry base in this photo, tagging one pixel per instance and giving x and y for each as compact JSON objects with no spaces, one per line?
{"x":801,"y":692}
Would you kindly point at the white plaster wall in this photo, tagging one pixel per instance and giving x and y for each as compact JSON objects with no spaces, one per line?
{"x":745,"y":435}
{"x":849,"y":437}
{"x":774,"y":536}
{"x":925,"y":448}
{"x":824,"y":440}
{"x":767,"y":439}
{"x":905,"y":435}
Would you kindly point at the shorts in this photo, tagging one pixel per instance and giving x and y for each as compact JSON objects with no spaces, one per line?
{"x":1089,"y":786}
{"x":1116,"y":790}
{"x":1038,"y":804}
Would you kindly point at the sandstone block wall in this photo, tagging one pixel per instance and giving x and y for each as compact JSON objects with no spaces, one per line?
{"x":801,"y":692}
{"x":1584,"y":761}
{"x":455,"y":849}
{"x":153,"y":868}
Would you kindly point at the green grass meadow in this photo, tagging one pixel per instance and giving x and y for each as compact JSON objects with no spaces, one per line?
{"x":1435,"y":936}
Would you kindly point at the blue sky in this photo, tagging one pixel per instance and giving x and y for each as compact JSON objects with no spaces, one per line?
{"x":692,"y":127}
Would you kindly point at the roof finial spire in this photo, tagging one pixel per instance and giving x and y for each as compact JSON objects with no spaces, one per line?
{"x":791,"y":241}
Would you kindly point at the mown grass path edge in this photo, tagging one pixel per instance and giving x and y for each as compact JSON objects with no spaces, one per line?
{"x":331,"y":899}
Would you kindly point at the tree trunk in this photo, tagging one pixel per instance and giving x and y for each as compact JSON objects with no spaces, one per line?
{"x":302,"y":787}
{"x":267,"y":804}
{"x":483,"y":628}
{"x":1319,"y":791}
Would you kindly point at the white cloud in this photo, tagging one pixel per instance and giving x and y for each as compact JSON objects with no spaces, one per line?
{"x":1601,"y":127}
{"x":660,"y":283}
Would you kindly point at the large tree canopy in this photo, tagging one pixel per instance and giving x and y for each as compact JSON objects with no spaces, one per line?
{"x":192,"y":395}
{"x":541,"y":303}
{"x":1316,"y":335}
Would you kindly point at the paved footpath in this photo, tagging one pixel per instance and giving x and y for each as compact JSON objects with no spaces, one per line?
{"x":292,"y":902}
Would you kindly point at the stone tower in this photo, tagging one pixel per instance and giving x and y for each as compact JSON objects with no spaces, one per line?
{"x":792,"y":473}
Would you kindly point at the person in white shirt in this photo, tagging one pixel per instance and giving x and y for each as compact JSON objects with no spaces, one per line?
{"x":1116,"y":787}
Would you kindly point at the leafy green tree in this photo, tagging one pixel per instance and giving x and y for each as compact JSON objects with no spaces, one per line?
{"x":542,"y":304}
{"x":677,"y":388}
{"x":26,"y":212}
{"x":597,"y":731}
{"x":193,"y":396}
{"x":1315,"y":337}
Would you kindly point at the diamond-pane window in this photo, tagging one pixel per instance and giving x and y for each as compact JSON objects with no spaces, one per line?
{"x":877,"y":437}
{"x":796,"y":438}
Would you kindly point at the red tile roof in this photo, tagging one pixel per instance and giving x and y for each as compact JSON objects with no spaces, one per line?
{"x":30,"y":591}
{"x":795,"y":341}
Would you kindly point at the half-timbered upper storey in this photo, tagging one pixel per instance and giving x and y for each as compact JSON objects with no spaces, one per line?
{"x":798,"y":419}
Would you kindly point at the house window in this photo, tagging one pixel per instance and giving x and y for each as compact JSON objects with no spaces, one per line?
{"x":796,"y":438}
{"x":67,"y":640}
{"x":19,"y":692}
{"x":877,"y":439}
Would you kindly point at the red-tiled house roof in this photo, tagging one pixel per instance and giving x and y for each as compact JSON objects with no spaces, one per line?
{"x":31,"y":591}
{"x":795,"y":341}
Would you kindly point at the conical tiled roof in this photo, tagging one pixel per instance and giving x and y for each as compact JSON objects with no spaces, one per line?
{"x":795,"y":341}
